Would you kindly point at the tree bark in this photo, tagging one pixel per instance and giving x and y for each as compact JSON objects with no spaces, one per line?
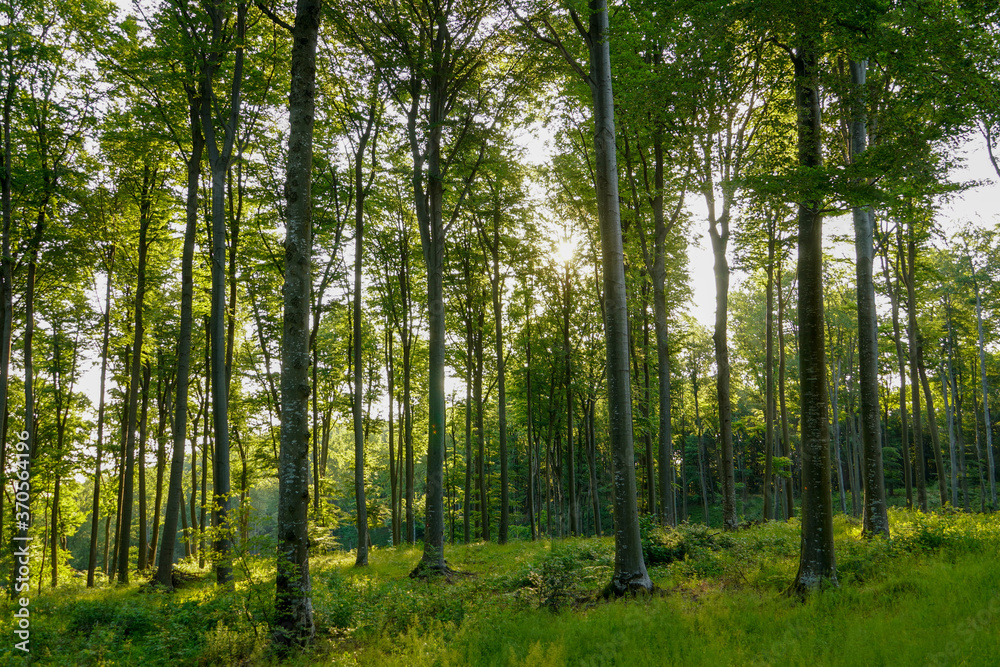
{"x":991,"y":470}
{"x":817,"y":562}
{"x":904,"y":429}
{"x":630,"y":570}
{"x":359,"y":434}
{"x":293,"y":622}
{"x":574,"y":512}
{"x":908,"y":271}
{"x":125,"y":525}
{"x":786,"y":441}
{"x":96,"y":507}
{"x":876,"y":519}
{"x":220,"y":160}
{"x":7,"y":285}
{"x":143,"y":555}
{"x":769,"y":374}
{"x":496,"y":286}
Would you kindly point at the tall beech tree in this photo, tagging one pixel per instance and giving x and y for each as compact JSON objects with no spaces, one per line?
{"x":817,"y":562}
{"x":876,"y":519}
{"x":630,"y":574}
{"x":294,"y":623}
{"x":435,"y":51}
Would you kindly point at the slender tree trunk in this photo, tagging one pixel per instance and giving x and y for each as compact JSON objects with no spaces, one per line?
{"x":125,"y":529}
{"x":592,"y":462}
{"x":496,"y":286}
{"x":817,"y":563}
{"x":141,"y":472}
{"x":469,"y":464}
{"x":876,"y":519}
{"x":768,"y":513}
{"x":630,"y":570}
{"x":932,"y":421}
{"x":220,"y":160}
{"x":391,"y":388}
{"x":293,"y":623}
{"x":960,"y":438}
{"x":163,"y":412}
{"x":205,"y":430}
{"x":991,"y":470}
{"x":786,"y":441}
{"x":836,"y":437}
{"x":953,"y":459}
{"x":532,"y":460}
{"x":908,"y":271}
{"x":96,"y":507}
{"x":477,"y":389}
{"x":665,"y":436}
{"x":574,"y":512}
{"x":407,"y":470}
{"x":702,"y":466}
{"x":7,"y":287}
{"x":904,"y":428}
{"x":359,"y":435}
{"x":647,"y":438}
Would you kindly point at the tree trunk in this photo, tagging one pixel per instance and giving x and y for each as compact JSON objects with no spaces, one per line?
{"x":391,"y":388}
{"x":496,"y":285}
{"x":702,"y":467}
{"x":574,"y":512}
{"x":96,"y":507}
{"x":908,"y":271}
{"x":630,"y":570}
{"x":786,"y":441}
{"x":836,"y":437}
{"x":163,"y":412}
{"x":428,"y":200}
{"x":7,"y":292}
{"x":477,"y":390}
{"x":532,"y":460}
{"x":220,"y":160}
{"x":359,"y":435}
{"x":125,"y":525}
{"x":592,"y":462}
{"x":769,"y":373}
{"x":991,"y":471}
{"x":141,"y":472}
{"x":469,"y":463}
{"x":293,"y":622}
{"x":904,"y":429}
{"x":876,"y":519}
{"x":817,"y":563}
{"x":932,"y":421}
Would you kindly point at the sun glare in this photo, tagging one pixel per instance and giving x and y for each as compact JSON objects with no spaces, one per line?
{"x":565,"y":250}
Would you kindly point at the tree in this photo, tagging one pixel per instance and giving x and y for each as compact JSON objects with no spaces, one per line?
{"x":293,"y":623}
{"x":876,"y":519}
{"x":630,"y":574}
{"x":817,"y":562}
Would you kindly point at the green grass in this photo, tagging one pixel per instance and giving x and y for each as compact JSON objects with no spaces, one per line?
{"x":931,"y":595}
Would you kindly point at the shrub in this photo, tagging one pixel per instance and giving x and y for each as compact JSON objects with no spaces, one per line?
{"x":126,"y":619}
{"x":662,"y":545}
{"x":557,"y":577}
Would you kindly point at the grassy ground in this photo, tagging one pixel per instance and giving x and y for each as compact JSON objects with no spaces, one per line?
{"x":931,"y":595}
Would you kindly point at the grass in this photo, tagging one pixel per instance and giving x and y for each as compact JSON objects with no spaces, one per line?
{"x":931,"y":595}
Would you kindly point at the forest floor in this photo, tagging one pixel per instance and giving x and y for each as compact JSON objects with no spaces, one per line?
{"x":928,"y":596}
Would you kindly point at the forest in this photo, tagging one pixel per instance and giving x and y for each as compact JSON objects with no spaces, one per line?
{"x":527,"y":332}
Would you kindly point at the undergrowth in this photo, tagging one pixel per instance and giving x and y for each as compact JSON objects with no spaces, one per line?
{"x":925,"y":596}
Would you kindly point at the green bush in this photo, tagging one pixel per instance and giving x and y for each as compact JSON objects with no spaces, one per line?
{"x":662,"y":545}
{"x":561,"y":575}
{"x":127,"y":619}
